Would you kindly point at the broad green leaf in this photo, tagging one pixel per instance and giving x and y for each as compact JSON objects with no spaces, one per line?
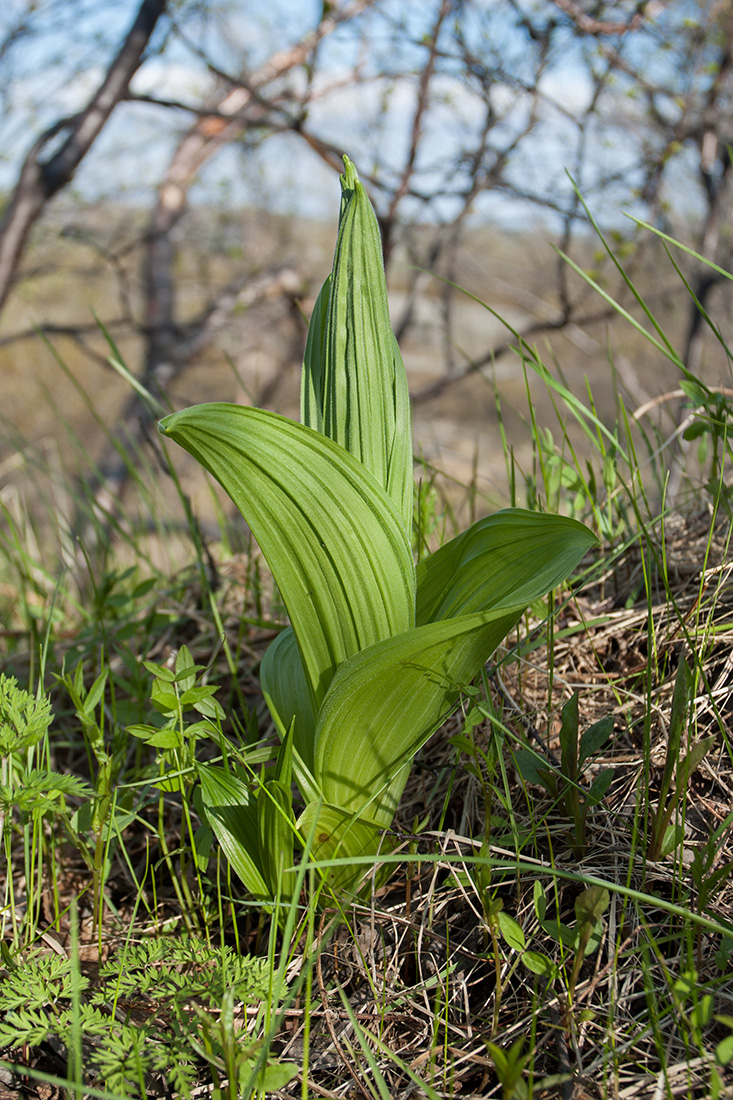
{"x":595,"y":737}
{"x":354,"y":385}
{"x":172,"y":785}
{"x":511,"y":931}
{"x":185,"y":674}
{"x":510,"y":558}
{"x":692,"y":761}
{"x":195,"y":695}
{"x":339,"y":835}
{"x":231,"y":811}
{"x":285,"y":687}
{"x":599,"y":786}
{"x":591,"y":904}
{"x":331,"y":536}
{"x":164,"y":698}
{"x":386,"y":701}
{"x":724,"y":1049}
{"x":673,"y":837}
{"x":284,"y":763}
{"x":276,"y":1075}
{"x":277,"y":835}
{"x":277,"y":824}
{"x":540,"y":965}
{"x":159,"y":671}
{"x":167,"y":738}
{"x":95,"y":692}
{"x":314,"y":359}
{"x":203,"y":838}
{"x":561,"y":933}
{"x":533,"y":769}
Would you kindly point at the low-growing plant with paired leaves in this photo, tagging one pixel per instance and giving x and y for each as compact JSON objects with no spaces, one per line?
{"x":665,"y":833}
{"x":377,"y":649}
{"x":30,"y":792}
{"x":563,"y":782}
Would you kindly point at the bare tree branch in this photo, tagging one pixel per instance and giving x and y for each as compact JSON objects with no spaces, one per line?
{"x":588,"y":24}
{"x":387,"y":222}
{"x":40,"y":180}
{"x":202,"y":141}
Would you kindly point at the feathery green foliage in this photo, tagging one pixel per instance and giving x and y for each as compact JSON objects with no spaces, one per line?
{"x":188,"y":990}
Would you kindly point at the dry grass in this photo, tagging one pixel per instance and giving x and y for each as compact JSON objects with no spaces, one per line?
{"x":429,"y":977}
{"x":472,"y":951}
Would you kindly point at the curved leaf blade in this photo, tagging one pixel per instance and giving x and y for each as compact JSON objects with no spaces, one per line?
{"x":231,"y":810}
{"x":285,"y":686}
{"x":314,"y":358}
{"x":512,"y":557}
{"x":385,"y":702}
{"x":338,"y":834}
{"x":277,"y":836}
{"x":331,"y":536}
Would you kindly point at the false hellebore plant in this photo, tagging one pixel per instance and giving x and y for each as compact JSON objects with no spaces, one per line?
{"x":377,"y":649}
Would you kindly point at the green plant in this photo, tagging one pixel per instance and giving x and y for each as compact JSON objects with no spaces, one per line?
{"x":174,"y":694}
{"x":665,"y":835}
{"x":582,"y":940}
{"x":161,"y":1009}
{"x":377,"y":650}
{"x":100,"y":817}
{"x":510,"y":1066}
{"x":563,"y":783}
{"x":30,"y":790}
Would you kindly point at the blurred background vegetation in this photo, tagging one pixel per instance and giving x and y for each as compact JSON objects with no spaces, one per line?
{"x":170,"y":182}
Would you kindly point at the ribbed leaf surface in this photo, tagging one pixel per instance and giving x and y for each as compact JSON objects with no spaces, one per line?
{"x":338,"y":835}
{"x":509,"y":558}
{"x":285,"y":683}
{"x":385,"y":703}
{"x":232,"y":812}
{"x":277,"y":835}
{"x":333,"y":539}
{"x":314,"y":363}
{"x":354,"y":385}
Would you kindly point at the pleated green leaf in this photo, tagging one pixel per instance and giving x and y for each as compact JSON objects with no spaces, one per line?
{"x":285,"y":687}
{"x":354,"y":384}
{"x":339,"y":835}
{"x":385,"y":703}
{"x":332,"y":537}
{"x":231,"y":810}
{"x":277,"y":836}
{"x":510,"y":558}
{"x":314,"y":363}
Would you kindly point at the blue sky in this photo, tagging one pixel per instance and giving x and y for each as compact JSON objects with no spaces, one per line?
{"x":54,"y":71}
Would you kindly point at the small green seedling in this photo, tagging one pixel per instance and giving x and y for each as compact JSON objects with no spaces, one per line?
{"x":377,"y":649}
{"x":101,"y":817}
{"x":510,"y":1066}
{"x":666,"y":835}
{"x":711,"y":430}
{"x":188,"y":712}
{"x":563,"y":783}
{"x":175,"y":693}
{"x":582,"y":940}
